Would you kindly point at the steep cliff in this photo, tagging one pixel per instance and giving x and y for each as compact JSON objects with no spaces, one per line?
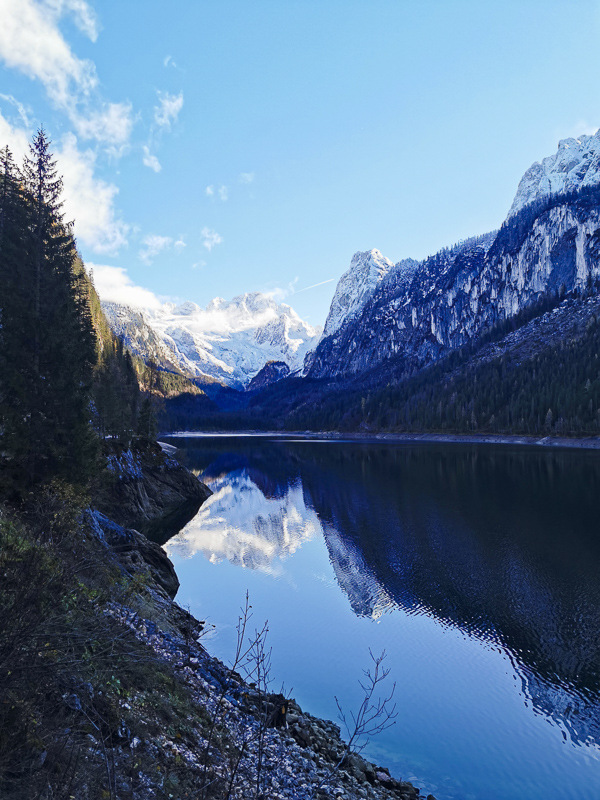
{"x":148,"y":490}
{"x":546,"y":251}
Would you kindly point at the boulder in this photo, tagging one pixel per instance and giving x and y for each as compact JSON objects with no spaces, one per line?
{"x":148,"y":490}
{"x":135,"y":553}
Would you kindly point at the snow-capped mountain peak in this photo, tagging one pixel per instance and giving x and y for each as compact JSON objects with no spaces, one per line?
{"x":356,"y":287}
{"x":228,"y":340}
{"x":575,"y":164}
{"x":186,"y":309}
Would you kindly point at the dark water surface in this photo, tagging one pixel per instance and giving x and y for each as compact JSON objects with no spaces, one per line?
{"x":476,"y":567}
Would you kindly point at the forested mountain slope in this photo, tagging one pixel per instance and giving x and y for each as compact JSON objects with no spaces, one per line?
{"x":548,"y":248}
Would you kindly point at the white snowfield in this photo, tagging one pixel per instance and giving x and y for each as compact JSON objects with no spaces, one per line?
{"x":229,"y":341}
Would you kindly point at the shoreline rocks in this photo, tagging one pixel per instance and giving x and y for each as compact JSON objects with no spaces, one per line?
{"x":148,"y":490}
{"x":305,"y":759}
{"x":297,"y":762}
{"x":134,"y":552}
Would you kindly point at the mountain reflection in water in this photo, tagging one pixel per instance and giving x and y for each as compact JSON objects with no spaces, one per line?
{"x":243,"y":525}
{"x":499,"y":542}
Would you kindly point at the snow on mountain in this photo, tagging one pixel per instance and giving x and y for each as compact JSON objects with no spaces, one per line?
{"x":575,"y":164}
{"x":228,"y":341}
{"x":356,"y":287}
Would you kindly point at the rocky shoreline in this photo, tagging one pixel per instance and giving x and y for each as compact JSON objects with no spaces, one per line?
{"x":305,"y":759}
{"x":298,"y":761}
{"x":147,"y":488}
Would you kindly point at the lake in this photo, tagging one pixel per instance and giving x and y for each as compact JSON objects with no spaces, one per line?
{"x":475,"y":567}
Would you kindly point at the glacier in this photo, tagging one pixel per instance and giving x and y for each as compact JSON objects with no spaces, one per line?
{"x":228,"y":341}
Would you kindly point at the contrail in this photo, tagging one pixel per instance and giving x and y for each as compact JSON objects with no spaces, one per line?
{"x":306,"y":288}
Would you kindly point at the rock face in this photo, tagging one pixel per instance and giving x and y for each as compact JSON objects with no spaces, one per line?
{"x":135,"y":553}
{"x":149,"y":489}
{"x":272,"y":372}
{"x":461,"y":292}
{"x":548,"y":247}
{"x":227,"y":342}
{"x":575,"y":164}
{"x":355,"y":288}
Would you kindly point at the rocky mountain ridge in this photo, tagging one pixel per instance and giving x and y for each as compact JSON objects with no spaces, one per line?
{"x":575,"y":165}
{"x":228,"y":342}
{"x":418,"y":311}
{"x":547,"y":248}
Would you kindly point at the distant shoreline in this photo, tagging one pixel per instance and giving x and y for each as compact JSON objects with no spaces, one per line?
{"x":583,"y":443}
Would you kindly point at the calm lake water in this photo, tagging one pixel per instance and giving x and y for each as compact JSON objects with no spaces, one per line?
{"x":476,"y":567}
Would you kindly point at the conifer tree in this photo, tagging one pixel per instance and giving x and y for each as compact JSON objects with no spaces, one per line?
{"x":147,"y":426}
{"x":48,"y":339}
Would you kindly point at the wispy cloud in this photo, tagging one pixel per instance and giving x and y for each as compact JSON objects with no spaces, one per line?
{"x":113,"y":284}
{"x":83,"y":14}
{"x":153,"y":245}
{"x":246,"y":177}
{"x":31,"y":42}
{"x":15,"y":136}
{"x":22,"y":111}
{"x":280,"y":293}
{"x":112,"y":123}
{"x":168,"y":108}
{"x":222,"y":192}
{"x":210,"y":238}
{"x":168,"y":62}
{"x":150,"y":160}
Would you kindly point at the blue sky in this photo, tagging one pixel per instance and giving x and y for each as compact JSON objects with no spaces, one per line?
{"x":214,"y":148}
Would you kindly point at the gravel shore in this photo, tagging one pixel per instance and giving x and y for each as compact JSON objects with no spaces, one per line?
{"x":299,"y":761}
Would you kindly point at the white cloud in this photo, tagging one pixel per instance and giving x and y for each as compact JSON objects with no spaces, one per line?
{"x":89,"y":200}
{"x":85,"y":16}
{"x":150,"y":160}
{"x":223,"y":193}
{"x":209,"y":191}
{"x":31,"y":42}
{"x":153,"y":245}
{"x":169,"y":108}
{"x":168,"y":62}
{"x":179,"y":244}
{"x":111,"y":124}
{"x":246,"y":177}
{"x":199,"y":264}
{"x":17,"y":138}
{"x":114,"y":285}
{"x":210,"y":238}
